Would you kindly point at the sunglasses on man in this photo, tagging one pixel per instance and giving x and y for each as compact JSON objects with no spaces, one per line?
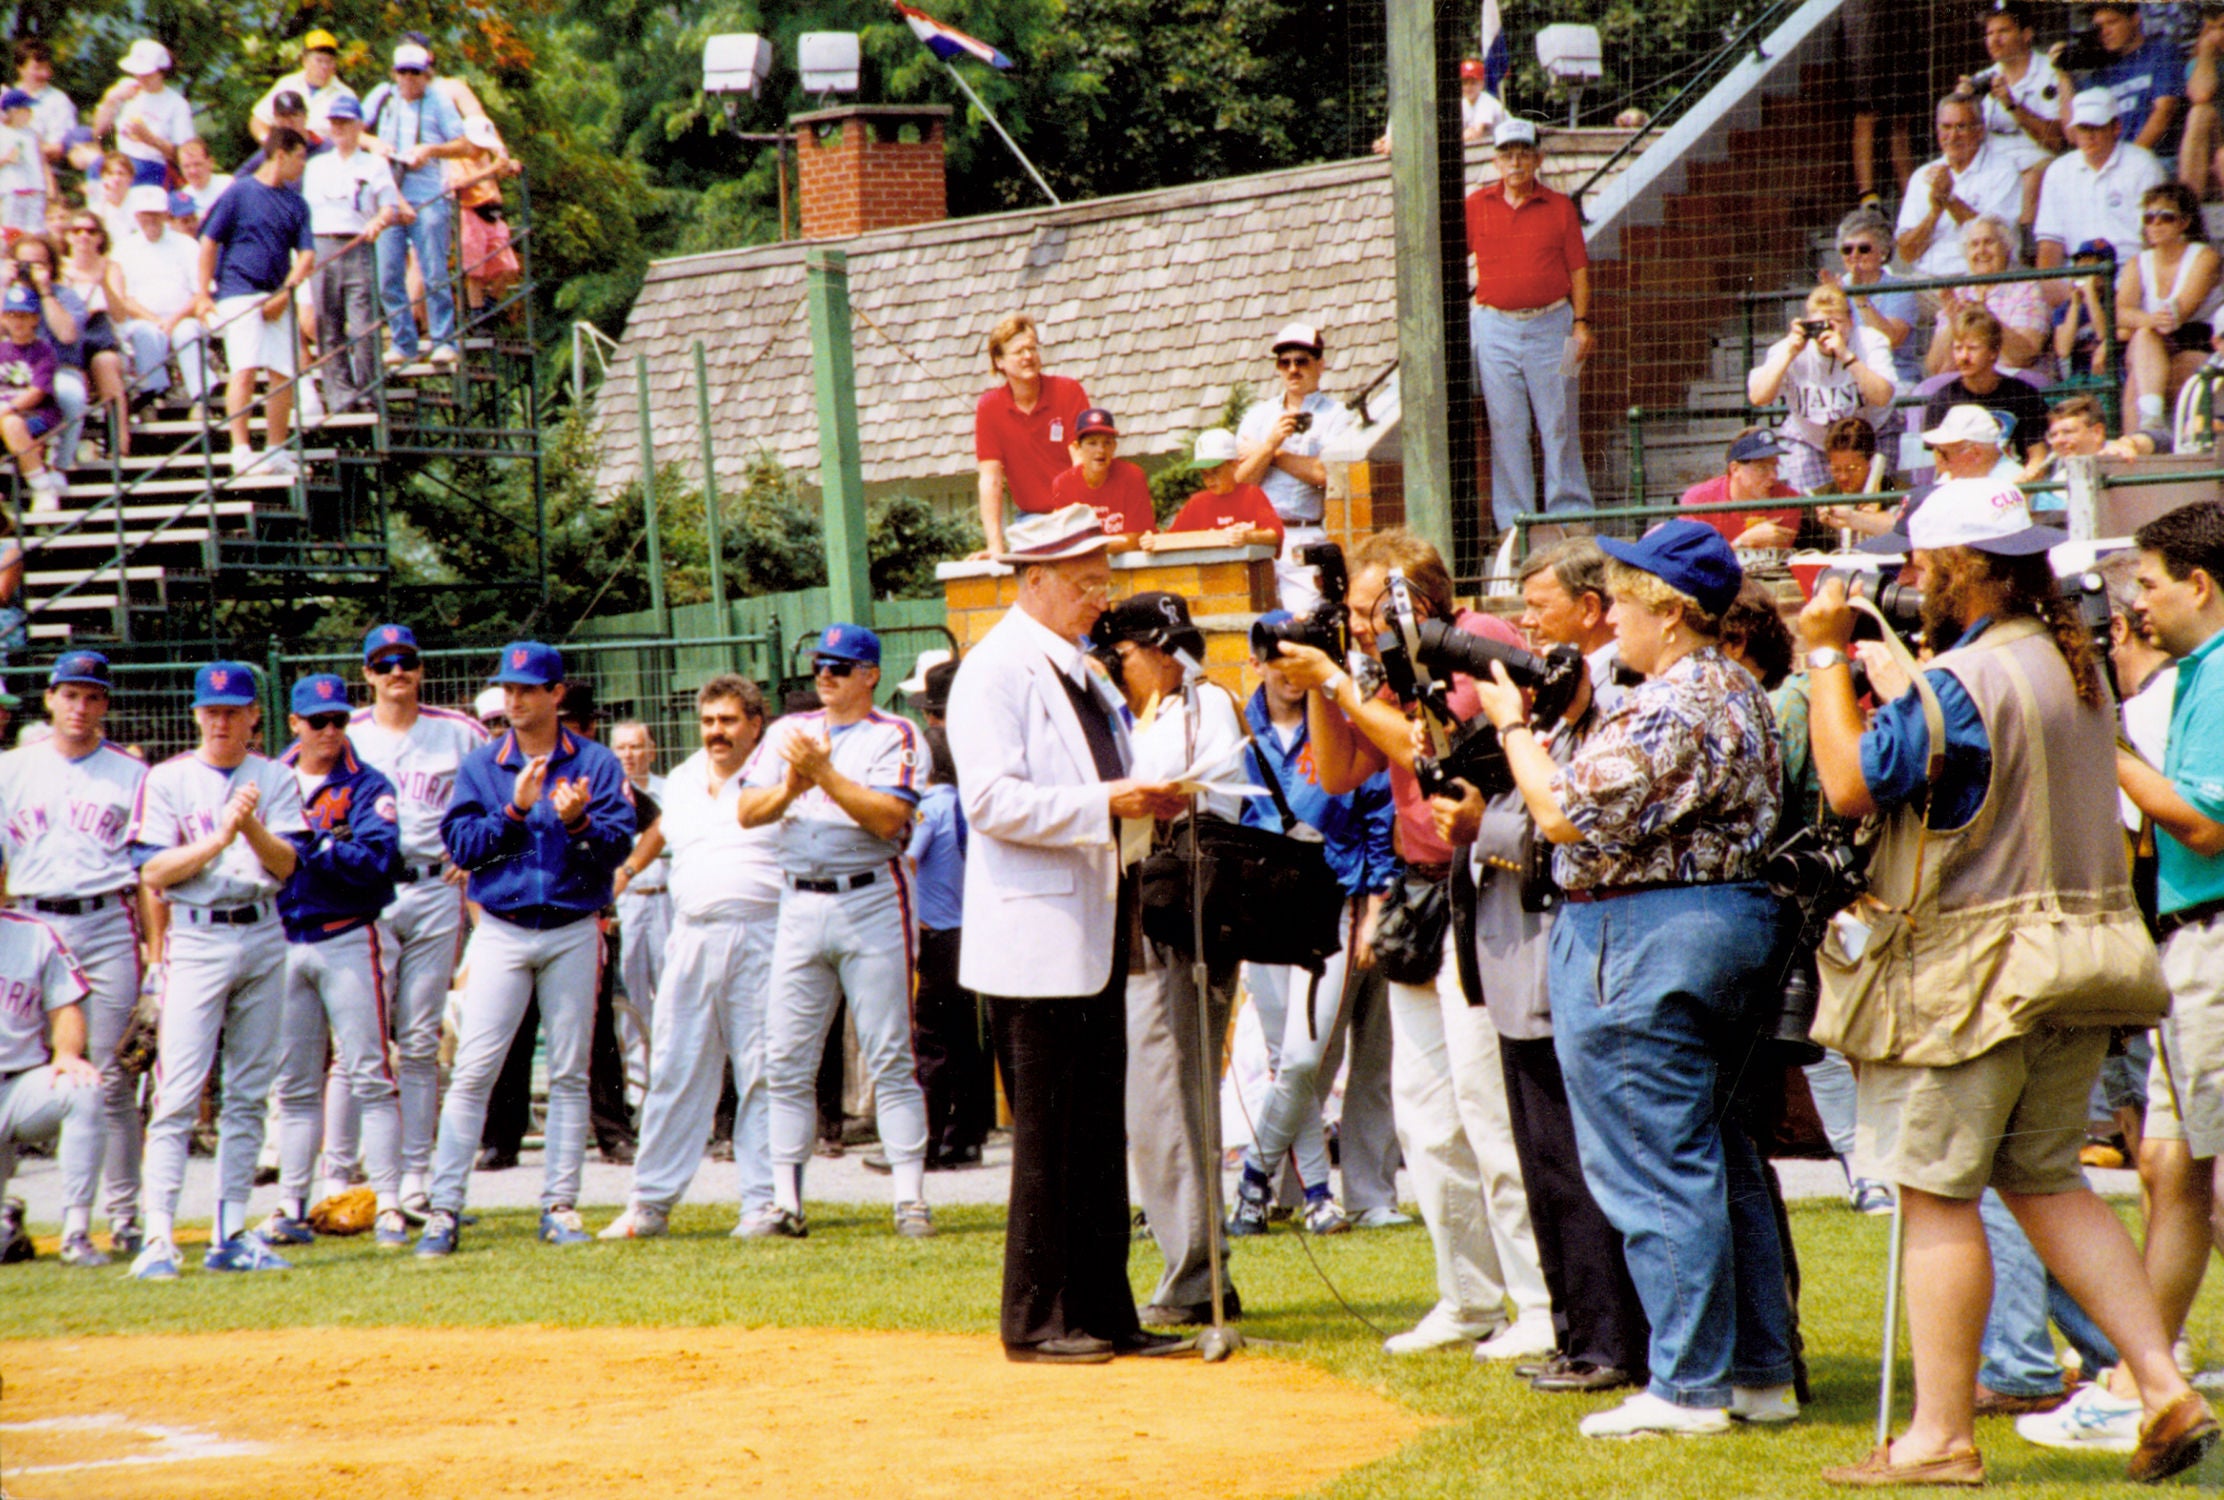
{"x":385,"y":664}
{"x":829,"y":666}
{"x":319,"y":723}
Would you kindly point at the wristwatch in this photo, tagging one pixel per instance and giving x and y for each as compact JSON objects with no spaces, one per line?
{"x":1823,"y":658}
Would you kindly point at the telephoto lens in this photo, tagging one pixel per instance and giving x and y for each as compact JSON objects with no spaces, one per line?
{"x":1896,"y":601}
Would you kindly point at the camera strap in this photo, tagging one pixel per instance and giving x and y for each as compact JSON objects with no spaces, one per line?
{"x":1934,"y":723}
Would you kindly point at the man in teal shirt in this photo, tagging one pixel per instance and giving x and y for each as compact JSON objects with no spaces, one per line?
{"x":2181,"y":609}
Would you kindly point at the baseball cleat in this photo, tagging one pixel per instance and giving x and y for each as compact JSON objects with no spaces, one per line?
{"x":758,"y":1224}
{"x":639,"y":1222}
{"x":157,"y":1262}
{"x":563,"y":1226}
{"x":15,"y":1240}
{"x":78,"y":1250}
{"x":914,"y":1220}
{"x":125,"y":1237}
{"x":244,"y":1252}
{"x":440,"y":1235}
{"x":788,"y":1225}
{"x":281,"y":1228}
{"x":1247,"y":1216}
{"x":390,"y":1231}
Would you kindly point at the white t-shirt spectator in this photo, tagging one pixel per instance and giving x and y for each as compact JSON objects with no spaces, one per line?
{"x":158,"y":274}
{"x":53,"y":115}
{"x":318,"y":100}
{"x":345,"y":192}
{"x":167,"y":115}
{"x":1989,"y":185}
{"x":2078,"y":202}
{"x":2040,"y":93}
{"x":24,"y":171}
{"x":1483,"y":112}
{"x":206,"y":197}
{"x":1818,"y":390}
{"x":1295,"y":501}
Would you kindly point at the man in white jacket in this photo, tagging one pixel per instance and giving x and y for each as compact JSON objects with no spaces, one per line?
{"x":1042,"y":776}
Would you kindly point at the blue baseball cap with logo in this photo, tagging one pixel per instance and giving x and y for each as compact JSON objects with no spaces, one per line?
{"x":1689,"y":556}
{"x":88,"y":668}
{"x":849,"y":643}
{"x":380,"y":639}
{"x":184,"y":206}
{"x":224,"y":684}
{"x":529,"y":664}
{"x":320,"y":693}
{"x":20,"y":299}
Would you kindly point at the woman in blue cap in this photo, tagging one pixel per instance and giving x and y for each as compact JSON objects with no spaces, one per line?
{"x":1660,"y":820}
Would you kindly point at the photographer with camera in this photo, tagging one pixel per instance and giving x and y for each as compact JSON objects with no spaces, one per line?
{"x":1824,"y":368}
{"x":1667,"y":939}
{"x":1975,"y":985}
{"x":1279,"y":444}
{"x":1447,"y":1087}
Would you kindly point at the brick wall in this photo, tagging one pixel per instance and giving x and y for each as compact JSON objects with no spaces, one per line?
{"x":856,"y":173}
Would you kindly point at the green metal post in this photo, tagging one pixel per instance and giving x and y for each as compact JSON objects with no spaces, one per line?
{"x":849,"y":579}
{"x":1416,"y":199}
{"x":648,"y":496}
{"x":713,"y":533}
{"x":275,"y":696}
{"x":1637,"y":455}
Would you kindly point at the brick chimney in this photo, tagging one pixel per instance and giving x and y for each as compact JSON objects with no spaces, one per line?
{"x":870,"y":166}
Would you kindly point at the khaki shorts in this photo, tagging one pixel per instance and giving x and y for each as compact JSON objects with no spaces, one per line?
{"x":2012,"y":1118}
{"x":2186,"y":1103}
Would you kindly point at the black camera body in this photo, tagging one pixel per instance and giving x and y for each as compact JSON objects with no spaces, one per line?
{"x":1327,"y":625}
{"x":1814,"y":328}
{"x":1819,"y":875}
{"x":1301,"y":422}
{"x":1897,"y":602}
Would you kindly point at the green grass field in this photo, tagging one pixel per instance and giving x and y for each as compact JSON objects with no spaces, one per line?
{"x":1497,"y":1436}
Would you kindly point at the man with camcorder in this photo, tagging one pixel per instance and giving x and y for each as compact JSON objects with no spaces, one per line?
{"x":1446,"y":1085}
{"x":1976,"y":983}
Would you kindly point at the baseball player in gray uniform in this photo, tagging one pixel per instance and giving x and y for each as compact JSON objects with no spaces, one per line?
{"x":65,"y":808}
{"x":842,"y":783}
{"x":710,"y":1006}
{"x":47,"y":1088}
{"x":215,"y":831}
{"x":419,"y":749}
{"x":644,"y":881}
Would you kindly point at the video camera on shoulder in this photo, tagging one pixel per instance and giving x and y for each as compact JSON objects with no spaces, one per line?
{"x":1327,"y":625}
{"x":1419,"y":657}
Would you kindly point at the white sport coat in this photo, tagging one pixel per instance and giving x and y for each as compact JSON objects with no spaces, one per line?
{"x":1042,"y":865}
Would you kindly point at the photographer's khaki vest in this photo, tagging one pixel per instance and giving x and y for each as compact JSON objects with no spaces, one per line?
{"x":2022,"y":917}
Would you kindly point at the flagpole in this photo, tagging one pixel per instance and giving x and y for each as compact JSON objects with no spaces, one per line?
{"x":997,"y":125}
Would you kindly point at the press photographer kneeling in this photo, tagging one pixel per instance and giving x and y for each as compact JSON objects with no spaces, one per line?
{"x":1975,"y":985}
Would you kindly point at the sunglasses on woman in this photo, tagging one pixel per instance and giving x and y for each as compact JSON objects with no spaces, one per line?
{"x":1857,"y":249}
{"x":2163,"y":216}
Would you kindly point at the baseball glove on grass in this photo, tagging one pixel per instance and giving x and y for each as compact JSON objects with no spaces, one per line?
{"x":350,"y":1212}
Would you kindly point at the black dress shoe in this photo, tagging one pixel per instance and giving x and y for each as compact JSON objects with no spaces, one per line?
{"x":1580,"y":1376}
{"x":1072,"y":1349}
{"x":955,"y":1160}
{"x":1148,"y":1345}
{"x":1530,"y":1369}
{"x":495,"y":1159}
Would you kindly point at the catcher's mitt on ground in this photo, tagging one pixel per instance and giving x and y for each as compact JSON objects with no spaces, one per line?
{"x":350,"y":1212}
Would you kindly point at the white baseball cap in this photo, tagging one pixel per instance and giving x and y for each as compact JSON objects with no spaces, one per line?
{"x":1214,"y":446}
{"x":480,"y":132}
{"x":1965,"y":424}
{"x":410,"y":55}
{"x":491,"y":703}
{"x":147,"y":199}
{"x":916,"y":683}
{"x":1989,"y":515}
{"x":1298,"y":336}
{"x":1513,"y":131}
{"x":146,"y":56}
{"x":2095,"y":106}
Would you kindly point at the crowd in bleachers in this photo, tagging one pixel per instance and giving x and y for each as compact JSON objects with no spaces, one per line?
{"x":139,"y":267}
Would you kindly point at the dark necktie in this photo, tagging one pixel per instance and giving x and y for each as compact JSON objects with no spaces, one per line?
{"x":1096,"y":728}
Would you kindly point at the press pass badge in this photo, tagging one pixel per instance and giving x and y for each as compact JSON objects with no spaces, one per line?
{"x":1057,"y":430}
{"x":1853,"y":934}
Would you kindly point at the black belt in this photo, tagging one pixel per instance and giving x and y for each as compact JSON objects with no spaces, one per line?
{"x":71,"y":906}
{"x":2191,"y":916}
{"x":834,"y":886}
{"x":1616,"y":892}
{"x":414,"y":874}
{"x":226,"y":916}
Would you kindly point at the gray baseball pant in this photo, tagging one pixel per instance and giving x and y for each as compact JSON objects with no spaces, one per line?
{"x":336,"y":986}
{"x":106,"y":943}
{"x":710,"y":1007}
{"x":644,"y":930}
{"x":226,"y":987}
{"x":858,"y":944}
{"x":36,"y":1105}
{"x":419,"y":935}
{"x":509,"y":965}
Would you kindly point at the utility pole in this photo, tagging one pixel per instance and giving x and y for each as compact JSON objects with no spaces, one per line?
{"x":648,"y":497}
{"x":849,"y":577}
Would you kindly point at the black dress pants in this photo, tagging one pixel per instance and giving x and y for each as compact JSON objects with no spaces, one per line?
{"x":946,"y":1040}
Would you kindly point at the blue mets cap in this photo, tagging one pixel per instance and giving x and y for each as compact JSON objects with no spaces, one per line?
{"x":224,"y":684}
{"x":1689,"y":556}
{"x":849,"y":643}
{"x":320,"y":693}
{"x":383,"y":638}
{"x":87,"y":667}
{"x":344,"y":108}
{"x":184,"y":205}
{"x":529,"y":664}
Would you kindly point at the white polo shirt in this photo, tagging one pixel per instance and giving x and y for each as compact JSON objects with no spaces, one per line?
{"x":345,"y":192}
{"x":160,"y":274}
{"x":719,"y":868}
{"x":1990,"y":184}
{"x":167,"y":115}
{"x":2040,"y":93}
{"x":2080,"y":202}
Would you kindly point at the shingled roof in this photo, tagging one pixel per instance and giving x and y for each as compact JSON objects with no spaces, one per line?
{"x":1157,"y":302}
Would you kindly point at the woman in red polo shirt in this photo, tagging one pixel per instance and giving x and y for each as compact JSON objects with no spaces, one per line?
{"x":1023,"y":430}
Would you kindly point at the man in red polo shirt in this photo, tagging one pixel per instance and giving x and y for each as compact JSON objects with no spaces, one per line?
{"x":1530,"y":326}
{"x":1223,"y":503}
{"x":1751,"y":476}
{"x":1114,"y":488}
{"x":1023,"y":430}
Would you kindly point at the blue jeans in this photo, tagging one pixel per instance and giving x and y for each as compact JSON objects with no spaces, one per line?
{"x":1651,"y":1015}
{"x":428,"y":235}
{"x":1517,"y":369}
{"x":2019,"y":1358}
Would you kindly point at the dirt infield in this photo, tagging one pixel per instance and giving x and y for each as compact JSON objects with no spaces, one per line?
{"x":303,"y":1414}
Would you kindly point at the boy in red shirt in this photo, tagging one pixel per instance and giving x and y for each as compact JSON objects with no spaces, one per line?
{"x":1223,"y":503}
{"x":1114,"y":488}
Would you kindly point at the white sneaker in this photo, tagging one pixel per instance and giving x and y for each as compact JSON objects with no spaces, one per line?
{"x":758,"y":1224}
{"x":444,"y":354}
{"x":282,"y":462}
{"x":1381,"y":1218}
{"x":1767,"y":1403}
{"x":639,"y":1222}
{"x":2095,"y":1420}
{"x":242,"y":458}
{"x":1523,"y":1338}
{"x":1645,"y":1414}
{"x":1438,"y":1330}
